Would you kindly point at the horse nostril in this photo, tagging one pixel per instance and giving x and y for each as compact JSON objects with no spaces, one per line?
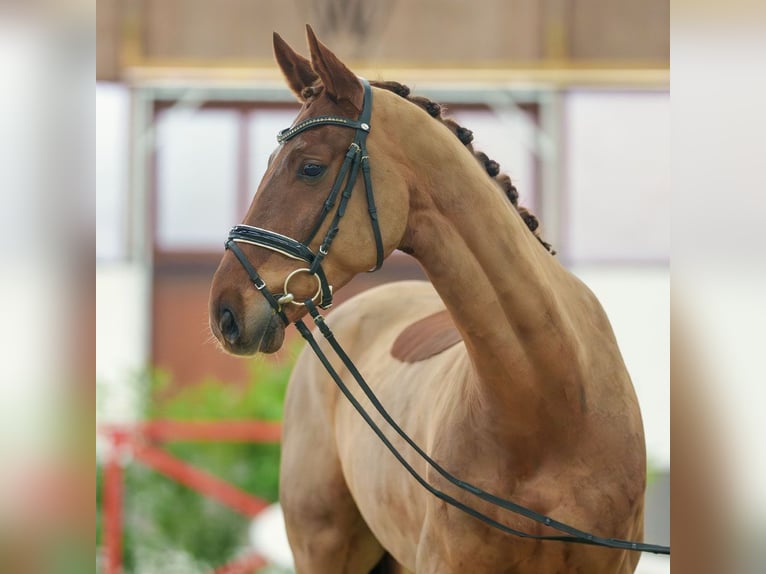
{"x":228,"y":326}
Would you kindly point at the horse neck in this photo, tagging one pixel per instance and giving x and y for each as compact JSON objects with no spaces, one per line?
{"x":502,"y":288}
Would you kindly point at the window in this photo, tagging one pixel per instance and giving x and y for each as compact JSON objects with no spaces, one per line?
{"x":617,"y":176}
{"x":112,"y":126}
{"x":197,"y":153}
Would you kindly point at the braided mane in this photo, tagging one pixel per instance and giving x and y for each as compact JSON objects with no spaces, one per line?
{"x":502,"y":180}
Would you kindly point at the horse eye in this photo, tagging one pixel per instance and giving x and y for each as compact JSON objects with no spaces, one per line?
{"x":312,"y":170}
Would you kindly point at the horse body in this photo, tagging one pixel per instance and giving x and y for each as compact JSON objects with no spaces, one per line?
{"x":376,"y":502}
{"x":534,"y":405}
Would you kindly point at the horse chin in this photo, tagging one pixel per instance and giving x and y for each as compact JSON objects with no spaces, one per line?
{"x":273,"y":337}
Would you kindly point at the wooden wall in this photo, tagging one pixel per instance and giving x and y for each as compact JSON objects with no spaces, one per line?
{"x":108,"y":39}
{"x":418,"y":33}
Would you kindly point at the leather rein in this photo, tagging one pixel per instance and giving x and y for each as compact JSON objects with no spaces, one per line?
{"x":356,"y":160}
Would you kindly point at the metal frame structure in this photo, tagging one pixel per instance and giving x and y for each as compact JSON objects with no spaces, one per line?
{"x":504,"y":99}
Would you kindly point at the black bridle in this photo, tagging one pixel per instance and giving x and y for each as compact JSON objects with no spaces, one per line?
{"x":356,"y":159}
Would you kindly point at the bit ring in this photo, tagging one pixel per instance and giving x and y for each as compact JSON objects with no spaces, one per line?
{"x":290,"y":298}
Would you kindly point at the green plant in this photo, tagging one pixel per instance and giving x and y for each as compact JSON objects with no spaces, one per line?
{"x":168,"y":527}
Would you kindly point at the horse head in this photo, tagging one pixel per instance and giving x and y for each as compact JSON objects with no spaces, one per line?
{"x":314,"y":222}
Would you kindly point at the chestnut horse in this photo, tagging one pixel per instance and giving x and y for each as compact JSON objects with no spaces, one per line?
{"x":503,"y":367}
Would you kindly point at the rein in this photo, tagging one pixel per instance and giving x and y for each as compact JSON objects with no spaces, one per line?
{"x":356,"y":159}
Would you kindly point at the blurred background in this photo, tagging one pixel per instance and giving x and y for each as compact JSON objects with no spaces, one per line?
{"x":570,"y":97}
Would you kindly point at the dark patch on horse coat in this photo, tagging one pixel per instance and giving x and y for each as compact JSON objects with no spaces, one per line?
{"x":425,"y":338}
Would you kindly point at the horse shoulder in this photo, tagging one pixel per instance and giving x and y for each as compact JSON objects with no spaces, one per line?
{"x":381,"y":314}
{"x":359,"y":325}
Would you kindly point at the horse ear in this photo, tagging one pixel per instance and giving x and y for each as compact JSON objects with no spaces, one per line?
{"x":339,"y":82}
{"x":296,"y":69}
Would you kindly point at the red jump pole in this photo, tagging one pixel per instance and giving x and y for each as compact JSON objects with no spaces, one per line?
{"x":113,"y":496}
{"x":199,"y":480}
{"x":217,"y":431}
{"x":245,"y":565}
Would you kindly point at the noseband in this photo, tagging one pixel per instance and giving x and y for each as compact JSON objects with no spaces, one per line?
{"x":356,"y":160}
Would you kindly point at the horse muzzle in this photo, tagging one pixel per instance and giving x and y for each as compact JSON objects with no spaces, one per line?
{"x":247,"y":331}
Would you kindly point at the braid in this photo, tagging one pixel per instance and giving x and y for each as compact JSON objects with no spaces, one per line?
{"x":502,"y":180}
{"x":310,"y":91}
{"x":434,"y":110}
{"x":463,"y":134}
{"x":399,"y":89}
{"x":490,"y":165}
